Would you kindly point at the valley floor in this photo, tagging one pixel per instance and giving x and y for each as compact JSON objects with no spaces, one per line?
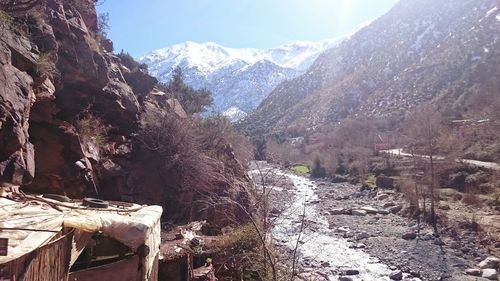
{"x":372,"y":225}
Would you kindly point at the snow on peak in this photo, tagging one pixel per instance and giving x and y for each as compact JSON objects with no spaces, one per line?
{"x":234,"y":114}
{"x":238,"y":78}
{"x":209,"y":57}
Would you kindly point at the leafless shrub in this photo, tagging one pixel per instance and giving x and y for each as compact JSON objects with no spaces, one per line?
{"x":176,"y":149}
{"x":218,"y":137}
{"x":411,"y":191}
{"x":92,"y":128}
{"x":471,"y":200}
{"x":44,"y":64}
{"x":423,"y":131}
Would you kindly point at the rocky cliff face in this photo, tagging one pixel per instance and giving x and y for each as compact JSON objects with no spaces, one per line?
{"x":60,"y":91}
{"x":441,"y":51}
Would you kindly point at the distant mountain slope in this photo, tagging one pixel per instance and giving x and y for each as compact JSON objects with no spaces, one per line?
{"x":447,"y":51}
{"x":239,"y":78}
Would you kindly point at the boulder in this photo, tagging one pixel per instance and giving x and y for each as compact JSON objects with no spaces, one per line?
{"x":396,"y":275}
{"x":473,"y":271}
{"x":343,"y":229}
{"x":141,"y":82}
{"x":337,"y":211}
{"x":489,"y":262}
{"x":383,"y":211}
{"x":384,"y":182}
{"x":490,"y":273}
{"x":176,"y":107}
{"x":395,"y":209}
{"x":357,"y":212}
{"x":409,"y":235}
{"x":351,"y":272}
{"x":358,"y":246}
{"x":369,"y":210}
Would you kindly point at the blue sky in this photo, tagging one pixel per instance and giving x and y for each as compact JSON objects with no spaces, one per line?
{"x":142,"y":26}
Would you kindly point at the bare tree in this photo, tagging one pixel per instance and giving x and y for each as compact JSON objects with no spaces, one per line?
{"x":424,"y":129}
{"x":263,"y":220}
{"x":99,"y":2}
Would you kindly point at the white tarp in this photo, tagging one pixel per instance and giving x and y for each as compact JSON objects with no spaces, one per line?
{"x":15,"y":216}
{"x":140,"y":226}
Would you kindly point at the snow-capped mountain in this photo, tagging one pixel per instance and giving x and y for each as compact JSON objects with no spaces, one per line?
{"x":445,"y":52}
{"x":238,"y":78}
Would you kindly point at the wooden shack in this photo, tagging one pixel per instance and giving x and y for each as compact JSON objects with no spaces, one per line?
{"x":60,"y":241}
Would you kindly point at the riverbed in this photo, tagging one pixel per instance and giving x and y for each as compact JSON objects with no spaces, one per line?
{"x":359,"y":247}
{"x":318,"y":244}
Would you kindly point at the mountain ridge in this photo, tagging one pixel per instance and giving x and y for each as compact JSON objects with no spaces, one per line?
{"x":238,"y":78}
{"x":420,"y":51}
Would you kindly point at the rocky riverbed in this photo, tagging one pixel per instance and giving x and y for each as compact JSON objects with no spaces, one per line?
{"x":354,"y":235}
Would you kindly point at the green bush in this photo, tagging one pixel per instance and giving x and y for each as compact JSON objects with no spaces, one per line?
{"x":193,"y":101}
{"x":129,"y":61}
{"x":301,"y":169}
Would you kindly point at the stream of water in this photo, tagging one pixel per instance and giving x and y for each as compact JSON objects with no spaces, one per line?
{"x":318,"y":245}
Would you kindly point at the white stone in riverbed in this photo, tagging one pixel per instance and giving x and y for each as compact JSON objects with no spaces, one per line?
{"x":490,"y":273}
{"x":343,"y":229}
{"x":382,"y":196}
{"x":337,"y":211}
{"x":489,"y":262}
{"x":473,"y":271}
{"x":369,"y":210}
{"x":322,"y":245}
{"x":359,"y":212}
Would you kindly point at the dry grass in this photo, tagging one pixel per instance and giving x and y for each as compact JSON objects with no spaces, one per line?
{"x":93,"y":129}
{"x":44,"y":64}
{"x":93,"y":42}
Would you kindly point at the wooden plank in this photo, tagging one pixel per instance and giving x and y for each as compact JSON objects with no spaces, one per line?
{"x":4,"y":246}
{"x":124,"y":270}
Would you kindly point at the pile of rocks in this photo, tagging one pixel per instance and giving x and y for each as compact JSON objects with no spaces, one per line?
{"x":388,"y":208}
{"x":488,"y":268}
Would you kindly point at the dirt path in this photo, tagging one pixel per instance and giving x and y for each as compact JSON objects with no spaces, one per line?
{"x":487,"y":165}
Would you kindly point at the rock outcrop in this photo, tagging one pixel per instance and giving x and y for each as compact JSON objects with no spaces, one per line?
{"x":16,"y":98}
{"x":70,"y":113}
